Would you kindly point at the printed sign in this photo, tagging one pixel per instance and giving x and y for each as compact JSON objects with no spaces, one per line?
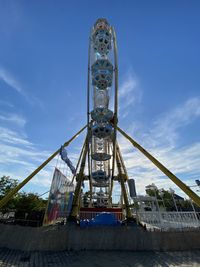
{"x":60,"y":198}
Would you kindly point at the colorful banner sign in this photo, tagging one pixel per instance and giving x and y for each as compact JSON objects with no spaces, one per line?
{"x":60,"y":198}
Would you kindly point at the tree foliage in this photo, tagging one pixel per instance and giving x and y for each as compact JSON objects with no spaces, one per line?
{"x":22,"y":202}
{"x":165,"y":200}
{"x":6,"y":184}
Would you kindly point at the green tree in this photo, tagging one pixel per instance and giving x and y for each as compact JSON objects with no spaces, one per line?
{"x":165,"y":199}
{"x":21,"y":202}
{"x":28,"y":202}
{"x":163,"y":196}
{"x":6,"y":184}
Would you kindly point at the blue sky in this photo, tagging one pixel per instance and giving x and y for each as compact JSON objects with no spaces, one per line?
{"x":43,"y":78}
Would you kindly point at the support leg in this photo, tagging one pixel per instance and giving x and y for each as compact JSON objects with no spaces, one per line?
{"x":75,"y":205}
{"x":129,"y":216}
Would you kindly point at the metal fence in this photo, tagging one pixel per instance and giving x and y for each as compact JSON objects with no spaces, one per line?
{"x":169,"y":220}
{"x":9,"y":218}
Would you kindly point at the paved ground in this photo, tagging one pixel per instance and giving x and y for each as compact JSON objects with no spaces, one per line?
{"x":13,"y":258}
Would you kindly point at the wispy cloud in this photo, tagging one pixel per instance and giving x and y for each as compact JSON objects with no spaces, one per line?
{"x":14,"y":84}
{"x":12,"y":137}
{"x":130,"y":93}
{"x":10,"y":80}
{"x":167,"y":126}
{"x":19,"y":157}
{"x":6,"y":103}
{"x":16,"y":146}
{"x":183,"y":161}
{"x":13,"y":118}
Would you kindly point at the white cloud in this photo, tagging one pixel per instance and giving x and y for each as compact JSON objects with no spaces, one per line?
{"x":9,"y":136}
{"x":6,"y":103}
{"x":183,"y":161}
{"x":13,"y":118}
{"x":130,"y":94}
{"x":10,"y":80}
{"x":19,"y":157}
{"x":128,"y":85}
{"x":21,"y":154}
{"x":13,"y":83}
{"x":167,"y":125}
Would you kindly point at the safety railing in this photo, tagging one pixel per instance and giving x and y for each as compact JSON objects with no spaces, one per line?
{"x":9,"y":218}
{"x":167,"y":220}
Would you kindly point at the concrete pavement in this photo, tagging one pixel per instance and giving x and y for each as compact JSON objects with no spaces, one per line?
{"x":94,"y":258}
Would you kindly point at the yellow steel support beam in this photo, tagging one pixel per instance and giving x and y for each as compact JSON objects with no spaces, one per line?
{"x":129,"y":215}
{"x":175,"y":179}
{"x":78,"y":163}
{"x":122,"y":163}
{"x":75,"y":205}
{"x":88,"y":116}
{"x":25,"y":181}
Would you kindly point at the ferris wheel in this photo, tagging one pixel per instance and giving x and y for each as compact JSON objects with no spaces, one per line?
{"x":102,"y":95}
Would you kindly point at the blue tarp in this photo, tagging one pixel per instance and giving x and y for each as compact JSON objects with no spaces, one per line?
{"x":104,"y":218}
{"x":64,"y":157}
